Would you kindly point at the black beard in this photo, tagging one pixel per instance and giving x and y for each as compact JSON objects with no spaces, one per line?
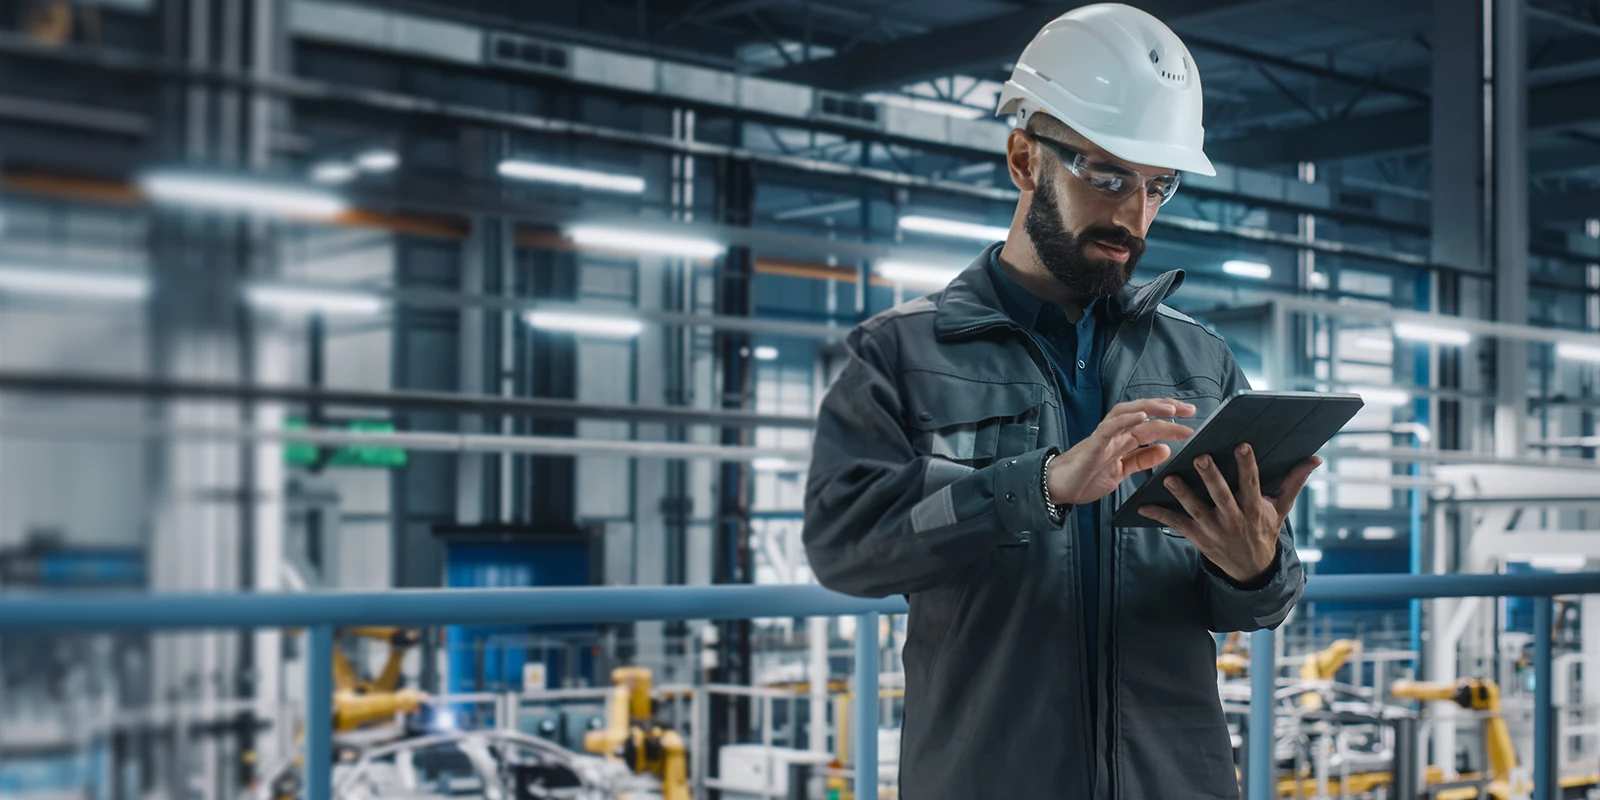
{"x":1065,"y":254}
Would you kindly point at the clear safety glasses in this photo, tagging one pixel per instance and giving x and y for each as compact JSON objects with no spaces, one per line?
{"x":1115,"y":182}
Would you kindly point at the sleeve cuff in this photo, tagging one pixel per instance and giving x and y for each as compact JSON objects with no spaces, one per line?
{"x":1262,"y":581}
{"x":1019,"y":495}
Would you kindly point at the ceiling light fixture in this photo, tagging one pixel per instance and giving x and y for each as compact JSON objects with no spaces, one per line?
{"x":240,"y":194}
{"x":570,"y":176}
{"x":908,"y":272}
{"x":939,"y":226}
{"x":609,"y":327}
{"x":623,"y":239}
{"x":378,"y":160}
{"x":1417,"y":332}
{"x":1247,"y":269}
{"x":39,"y":281}
{"x":332,"y":172}
{"x":312,"y":299}
{"x":1578,"y":352}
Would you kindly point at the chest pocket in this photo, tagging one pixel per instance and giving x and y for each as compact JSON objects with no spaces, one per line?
{"x":971,"y":422}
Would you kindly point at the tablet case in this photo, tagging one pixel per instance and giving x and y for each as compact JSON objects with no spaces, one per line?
{"x":1284,"y":428}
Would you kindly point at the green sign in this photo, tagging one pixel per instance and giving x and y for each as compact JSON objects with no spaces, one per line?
{"x":304,"y":454}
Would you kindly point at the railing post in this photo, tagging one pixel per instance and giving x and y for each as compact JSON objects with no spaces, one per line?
{"x":866,"y":710}
{"x":319,"y":714}
{"x":1263,"y":670}
{"x":1544,"y":717}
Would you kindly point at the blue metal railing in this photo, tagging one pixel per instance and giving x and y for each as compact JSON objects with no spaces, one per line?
{"x":321,"y":612}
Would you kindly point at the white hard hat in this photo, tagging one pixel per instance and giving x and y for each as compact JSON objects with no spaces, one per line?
{"x":1120,"y":77}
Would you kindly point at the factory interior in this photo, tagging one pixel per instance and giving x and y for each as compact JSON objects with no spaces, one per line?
{"x":355,"y":354}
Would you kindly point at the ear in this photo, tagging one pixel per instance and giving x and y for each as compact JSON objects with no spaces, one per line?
{"x":1020,"y":161}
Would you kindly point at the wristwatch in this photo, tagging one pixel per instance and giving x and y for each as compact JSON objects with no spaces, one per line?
{"x":1058,"y":513}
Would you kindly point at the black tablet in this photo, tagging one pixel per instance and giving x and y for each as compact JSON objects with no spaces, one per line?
{"x":1284,"y":428}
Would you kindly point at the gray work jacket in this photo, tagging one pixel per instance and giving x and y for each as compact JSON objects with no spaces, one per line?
{"x":925,"y":481}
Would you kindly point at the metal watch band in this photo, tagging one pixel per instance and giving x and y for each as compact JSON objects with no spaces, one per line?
{"x":1057,"y":513}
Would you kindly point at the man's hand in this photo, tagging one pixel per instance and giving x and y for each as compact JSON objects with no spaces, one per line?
{"x":1123,"y":443}
{"x":1239,"y":535}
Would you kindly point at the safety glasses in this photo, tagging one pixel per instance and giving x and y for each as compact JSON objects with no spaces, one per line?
{"x":1111,"y":180}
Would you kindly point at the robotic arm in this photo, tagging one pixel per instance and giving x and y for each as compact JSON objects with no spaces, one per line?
{"x":1475,"y":694}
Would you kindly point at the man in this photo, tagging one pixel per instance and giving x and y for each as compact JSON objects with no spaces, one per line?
{"x":973,"y":449}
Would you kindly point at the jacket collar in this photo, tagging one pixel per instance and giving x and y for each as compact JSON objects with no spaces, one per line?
{"x":971,"y":302}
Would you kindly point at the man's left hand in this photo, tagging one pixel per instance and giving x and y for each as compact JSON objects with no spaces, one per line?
{"x":1239,"y":534}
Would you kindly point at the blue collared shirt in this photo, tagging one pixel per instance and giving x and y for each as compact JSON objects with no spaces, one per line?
{"x":1075,"y":351}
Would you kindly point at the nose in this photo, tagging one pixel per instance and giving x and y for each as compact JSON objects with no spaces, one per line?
{"x":1134,"y":214}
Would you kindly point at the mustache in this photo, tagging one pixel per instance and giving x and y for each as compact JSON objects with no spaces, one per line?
{"x":1114,"y":236}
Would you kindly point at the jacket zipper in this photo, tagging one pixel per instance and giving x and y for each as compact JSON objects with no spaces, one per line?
{"x":1111,"y":594}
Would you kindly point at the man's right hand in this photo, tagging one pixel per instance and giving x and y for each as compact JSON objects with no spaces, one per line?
{"x":1124,"y":443}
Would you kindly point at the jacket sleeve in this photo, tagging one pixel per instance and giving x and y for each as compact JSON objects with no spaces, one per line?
{"x":1266,"y":602}
{"x":882,"y":520}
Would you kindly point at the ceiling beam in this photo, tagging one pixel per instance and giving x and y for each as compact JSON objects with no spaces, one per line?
{"x":1553,"y":106}
{"x":1311,"y":70}
{"x":976,"y":46}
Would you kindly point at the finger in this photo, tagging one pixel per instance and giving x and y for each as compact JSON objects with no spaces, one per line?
{"x":1166,"y":518}
{"x":1296,"y":480}
{"x":1249,"y":481}
{"x":1147,"y":433}
{"x":1145,"y":458}
{"x":1156,"y":407}
{"x":1119,"y":423}
{"x":1160,"y":430}
{"x":1186,"y":497}
{"x":1221,"y":493}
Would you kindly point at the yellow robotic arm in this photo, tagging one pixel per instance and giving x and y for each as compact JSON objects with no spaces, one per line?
{"x":631,"y":737}
{"x":1323,"y":665}
{"x":1476,"y":694}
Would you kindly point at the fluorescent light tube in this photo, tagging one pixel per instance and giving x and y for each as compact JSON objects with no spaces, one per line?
{"x":1430,"y":333}
{"x":1309,"y":555}
{"x":773,"y":464}
{"x":1378,"y":533}
{"x":1558,"y":561}
{"x":73,"y":283}
{"x":586,"y":323}
{"x":240,"y":194}
{"x":1382,"y":396}
{"x":1578,"y":352}
{"x":332,"y":172}
{"x":766,"y":353}
{"x":378,"y":160}
{"x":633,"y":241}
{"x":950,"y":227}
{"x":1381,"y":344}
{"x":1247,"y":269}
{"x":931,"y":275}
{"x":309,"y":299}
{"x":571,"y":176}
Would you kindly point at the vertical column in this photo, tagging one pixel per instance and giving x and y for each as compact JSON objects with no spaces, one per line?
{"x":319,"y":714}
{"x":1460,"y":212}
{"x":1589,"y":616}
{"x":1510,"y":205}
{"x":1544,"y":716}
{"x":866,"y":710}
{"x":817,"y":678}
{"x":472,"y":349}
{"x":1263,"y":669}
